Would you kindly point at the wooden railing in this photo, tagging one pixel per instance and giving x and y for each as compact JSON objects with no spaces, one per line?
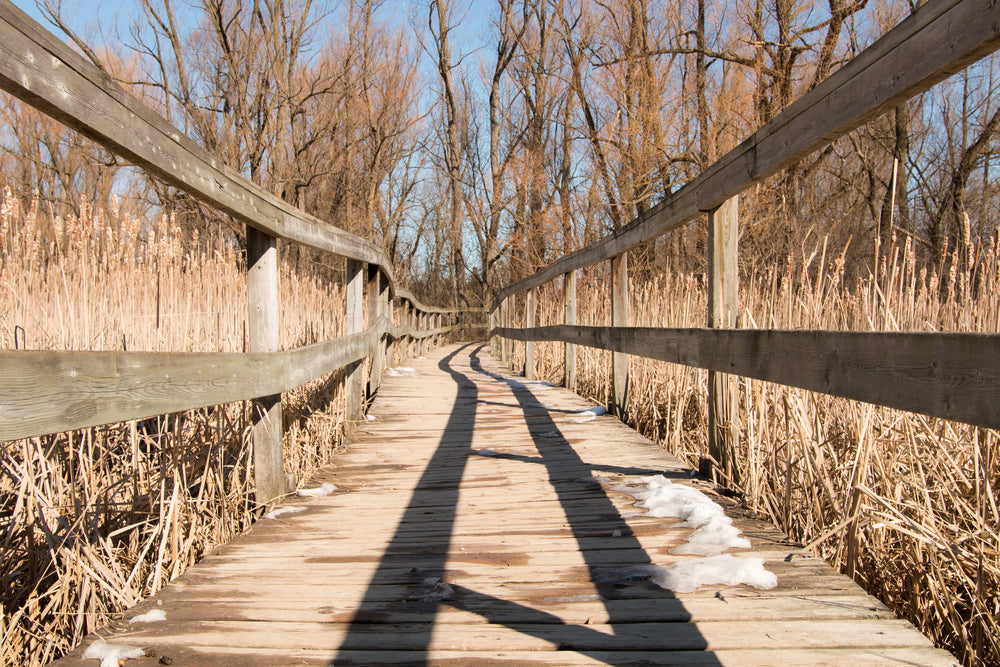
{"x":50,"y":392}
{"x":950,"y":375}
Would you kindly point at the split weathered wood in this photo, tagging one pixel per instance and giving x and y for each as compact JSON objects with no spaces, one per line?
{"x":723,"y":307}
{"x":263,"y":318}
{"x":950,"y":375}
{"x":619,"y":318}
{"x":376,"y":298}
{"x":354,"y":323}
{"x":529,"y":346}
{"x":938,"y":39}
{"x":51,"y":392}
{"x":569,"y":317}
{"x":471,"y":526}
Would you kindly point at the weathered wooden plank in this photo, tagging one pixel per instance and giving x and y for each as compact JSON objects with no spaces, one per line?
{"x":377,"y":295}
{"x":723,"y":308}
{"x":529,"y":347}
{"x":223,"y":656}
{"x":354,"y":323}
{"x":49,"y":392}
{"x":938,"y":39}
{"x":704,"y":636}
{"x":569,"y":318}
{"x":619,"y":318}
{"x":949,"y":375}
{"x":263,"y":320}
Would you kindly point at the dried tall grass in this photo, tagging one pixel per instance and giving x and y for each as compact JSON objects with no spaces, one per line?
{"x":905,"y":504}
{"x":93,"y":521}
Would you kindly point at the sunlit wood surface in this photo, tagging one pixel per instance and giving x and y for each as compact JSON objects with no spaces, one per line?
{"x":477,"y":522}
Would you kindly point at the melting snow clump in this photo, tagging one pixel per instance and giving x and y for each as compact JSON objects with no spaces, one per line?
{"x":291,"y":509}
{"x":714,"y":531}
{"x":110,"y":654}
{"x":149,"y":617}
{"x":401,"y":371}
{"x":588,"y":415}
{"x":324,"y":489}
{"x":686,"y":576}
{"x":370,"y":418}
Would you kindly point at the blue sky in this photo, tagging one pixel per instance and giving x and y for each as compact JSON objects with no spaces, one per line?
{"x":469,"y":35}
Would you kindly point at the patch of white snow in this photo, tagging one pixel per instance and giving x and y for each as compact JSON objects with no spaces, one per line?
{"x":289,"y":509}
{"x":151,"y":616}
{"x":714,"y":532}
{"x":110,"y":654}
{"x":686,"y":576}
{"x":324,"y":489}
{"x":589,"y":415}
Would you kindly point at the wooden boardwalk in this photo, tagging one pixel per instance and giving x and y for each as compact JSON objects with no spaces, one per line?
{"x":476,"y":522}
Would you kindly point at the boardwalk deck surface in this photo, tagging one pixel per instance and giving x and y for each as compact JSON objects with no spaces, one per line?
{"x":476,"y":522}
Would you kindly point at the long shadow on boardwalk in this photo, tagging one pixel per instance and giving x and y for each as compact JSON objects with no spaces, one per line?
{"x":439,"y":488}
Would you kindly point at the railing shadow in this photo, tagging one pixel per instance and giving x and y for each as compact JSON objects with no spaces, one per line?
{"x":425,"y":529}
{"x":427,"y":534}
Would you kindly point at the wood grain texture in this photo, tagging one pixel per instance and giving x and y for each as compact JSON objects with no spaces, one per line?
{"x":263,"y":327}
{"x":354,"y":323}
{"x":619,"y":318}
{"x":949,"y":375}
{"x":938,"y":39}
{"x":529,"y":347}
{"x":569,"y":317}
{"x":723,"y":308}
{"x":463,"y":533}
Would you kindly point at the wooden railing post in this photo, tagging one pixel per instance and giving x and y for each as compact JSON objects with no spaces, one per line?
{"x":569,"y":317}
{"x":354,"y":373}
{"x":619,"y":318}
{"x":263,"y":333}
{"x":375,"y":311}
{"x":723,"y":307}
{"x":422,"y":319}
{"x":411,"y":324}
{"x":508,"y":345}
{"x":529,"y":346}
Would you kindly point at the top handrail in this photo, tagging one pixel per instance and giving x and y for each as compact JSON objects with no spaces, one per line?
{"x":953,"y":34}
{"x":38,"y":68}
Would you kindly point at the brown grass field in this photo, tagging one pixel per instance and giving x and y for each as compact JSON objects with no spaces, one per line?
{"x":93,"y":521}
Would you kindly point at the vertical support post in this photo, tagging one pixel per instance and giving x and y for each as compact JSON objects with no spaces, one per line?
{"x":619,"y":318}
{"x":411,"y":321}
{"x":529,"y":346}
{"x":262,"y":319}
{"x":569,"y":317}
{"x":723,"y":307}
{"x":501,"y":323}
{"x":354,"y":378}
{"x":508,"y":345}
{"x":375,"y":311}
{"x":422,"y":319}
{"x":494,"y":322}
{"x":388,"y":310}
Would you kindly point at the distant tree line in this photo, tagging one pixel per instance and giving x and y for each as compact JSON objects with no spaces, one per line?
{"x":476,"y":162}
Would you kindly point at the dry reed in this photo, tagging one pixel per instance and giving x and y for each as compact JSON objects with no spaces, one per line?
{"x":93,"y":521}
{"x":905,"y":504}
